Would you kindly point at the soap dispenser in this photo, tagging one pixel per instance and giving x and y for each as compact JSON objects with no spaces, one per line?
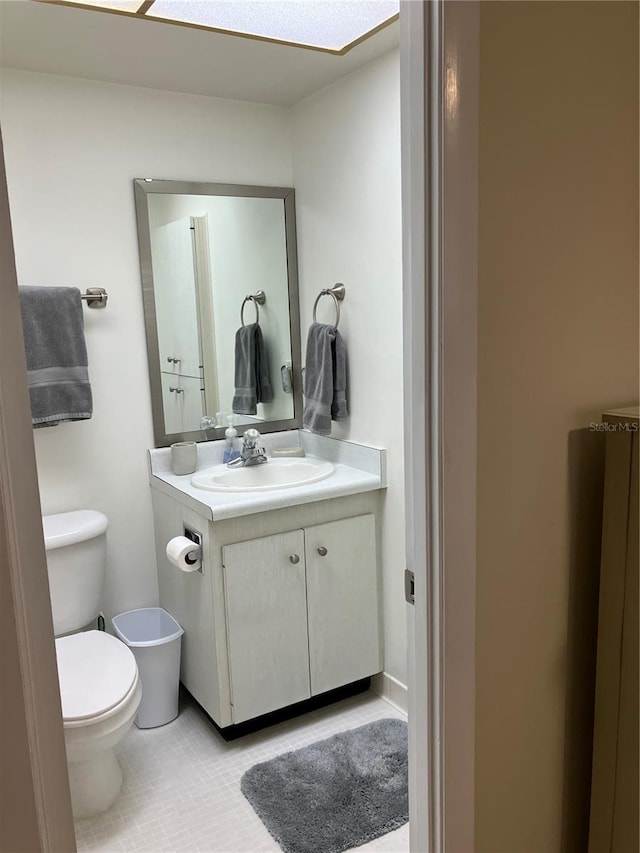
{"x":231,"y":451}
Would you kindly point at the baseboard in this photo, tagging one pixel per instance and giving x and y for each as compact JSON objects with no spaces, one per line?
{"x":391,"y":690}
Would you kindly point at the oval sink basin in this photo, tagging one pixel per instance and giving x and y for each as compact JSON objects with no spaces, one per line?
{"x":279,"y":473}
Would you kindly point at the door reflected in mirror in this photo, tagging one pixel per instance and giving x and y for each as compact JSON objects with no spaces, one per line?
{"x":219,"y":277}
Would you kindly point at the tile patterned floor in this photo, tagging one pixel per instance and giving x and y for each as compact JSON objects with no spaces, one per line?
{"x":181,"y":792}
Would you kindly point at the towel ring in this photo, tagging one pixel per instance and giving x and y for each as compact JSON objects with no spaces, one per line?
{"x":337,"y":294}
{"x":258,"y":298}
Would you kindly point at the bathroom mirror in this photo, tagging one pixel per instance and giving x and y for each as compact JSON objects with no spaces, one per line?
{"x":215,"y":258}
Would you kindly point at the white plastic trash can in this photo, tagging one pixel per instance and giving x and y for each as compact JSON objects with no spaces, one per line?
{"x":154,"y":637}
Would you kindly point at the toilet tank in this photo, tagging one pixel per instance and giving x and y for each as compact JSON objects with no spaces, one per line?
{"x":75,"y":543}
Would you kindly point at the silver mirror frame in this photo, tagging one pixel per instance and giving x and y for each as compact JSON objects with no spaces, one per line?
{"x":143,"y":187}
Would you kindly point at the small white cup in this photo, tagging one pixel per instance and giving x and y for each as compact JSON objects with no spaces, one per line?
{"x":184,"y":456}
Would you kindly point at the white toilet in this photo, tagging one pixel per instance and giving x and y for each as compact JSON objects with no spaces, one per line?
{"x":99,"y":682}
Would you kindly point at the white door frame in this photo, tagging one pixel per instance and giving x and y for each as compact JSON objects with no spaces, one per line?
{"x":439,"y":100}
{"x":439,"y":46}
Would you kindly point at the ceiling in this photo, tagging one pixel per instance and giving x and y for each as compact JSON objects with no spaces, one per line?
{"x":96,"y":45}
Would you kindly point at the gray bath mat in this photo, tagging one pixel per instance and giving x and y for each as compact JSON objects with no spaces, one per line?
{"x":336,"y":793}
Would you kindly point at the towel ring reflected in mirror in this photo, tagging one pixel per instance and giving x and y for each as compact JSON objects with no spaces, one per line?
{"x":258,"y":298}
{"x":337,"y":294}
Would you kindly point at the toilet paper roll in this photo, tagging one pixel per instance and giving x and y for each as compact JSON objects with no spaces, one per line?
{"x":184,"y":554}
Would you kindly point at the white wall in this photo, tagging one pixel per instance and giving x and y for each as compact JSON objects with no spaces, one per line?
{"x":72,"y":149}
{"x":347,"y":180}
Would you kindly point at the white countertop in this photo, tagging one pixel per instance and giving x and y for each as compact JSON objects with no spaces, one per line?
{"x":358,"y":468}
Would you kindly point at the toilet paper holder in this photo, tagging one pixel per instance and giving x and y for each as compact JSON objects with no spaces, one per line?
{"x":196,"y":555}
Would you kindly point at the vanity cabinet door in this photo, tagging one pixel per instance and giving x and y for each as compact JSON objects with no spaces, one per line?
{"x":342,"y":597}
{"x":266,"y":608}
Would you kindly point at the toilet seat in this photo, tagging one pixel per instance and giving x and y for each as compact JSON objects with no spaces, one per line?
{"x":96,"y":672}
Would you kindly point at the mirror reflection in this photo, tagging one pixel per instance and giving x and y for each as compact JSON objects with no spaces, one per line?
{"x":218,"y":268}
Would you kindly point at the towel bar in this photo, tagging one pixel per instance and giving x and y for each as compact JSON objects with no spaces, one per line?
{"x":337,"y":294}
{"x":96,"y":297}
{"x":258,"y":298}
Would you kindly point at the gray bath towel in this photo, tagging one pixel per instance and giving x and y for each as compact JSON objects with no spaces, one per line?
{"x":325,"y":379}
{"x":56,"y":353}
{"x":252,"y":381}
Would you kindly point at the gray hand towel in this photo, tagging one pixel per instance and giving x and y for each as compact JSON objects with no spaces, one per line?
{"x":325,"y":379}
{"x":56,"y":351}
{"x":252,"y":381}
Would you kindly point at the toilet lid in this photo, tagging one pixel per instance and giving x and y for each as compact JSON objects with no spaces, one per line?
{"x":96,"y":671}
{"x":69,"y":528}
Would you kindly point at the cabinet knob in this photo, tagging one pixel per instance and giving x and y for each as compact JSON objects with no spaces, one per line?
{"x":294,"y":558}
{"x":322,"y":551}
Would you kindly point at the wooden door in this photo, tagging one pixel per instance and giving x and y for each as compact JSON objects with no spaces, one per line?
{"x":342,"y":598}
{"x":265,"y":596}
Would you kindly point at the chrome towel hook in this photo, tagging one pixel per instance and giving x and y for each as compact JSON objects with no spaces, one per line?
{"x":258,"y":298}
{"x":337,"y":294}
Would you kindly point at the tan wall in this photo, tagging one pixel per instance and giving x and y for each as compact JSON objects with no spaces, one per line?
{"x":35,"y":805}
{"x":558,"y":344}
{"x":18,"y":815}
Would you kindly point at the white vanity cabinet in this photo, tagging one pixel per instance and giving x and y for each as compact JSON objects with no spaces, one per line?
{"x":266,"y":610}
{"x":285,"y":608}
{"x":342,"y":602}
{"x":301,"y":612}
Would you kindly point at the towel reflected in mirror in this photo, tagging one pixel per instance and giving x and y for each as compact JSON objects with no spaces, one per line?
{"x":252,"y":382}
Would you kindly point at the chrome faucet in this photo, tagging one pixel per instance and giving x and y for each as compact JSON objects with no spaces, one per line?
{"x":252,"y":453}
